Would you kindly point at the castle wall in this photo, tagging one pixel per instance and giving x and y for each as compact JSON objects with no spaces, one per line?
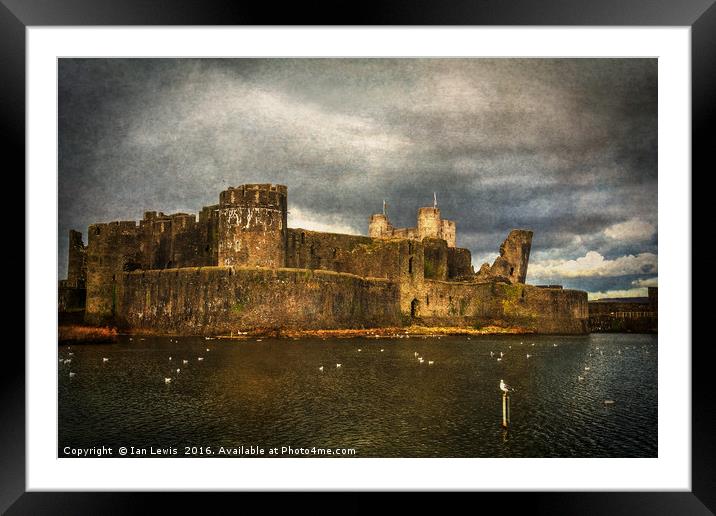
{"x":435,"y":264}
{"x":441,"y":303}
{"x":219,"y":300}
{"x":252,"y":226}
{"x":459,"y":263}
{"x":316,"y":250}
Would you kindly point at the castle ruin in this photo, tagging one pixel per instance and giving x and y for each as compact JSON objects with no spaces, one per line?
{"x":238,"y":267}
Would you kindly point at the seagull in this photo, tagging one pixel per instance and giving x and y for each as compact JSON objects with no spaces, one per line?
{"x":528,"y":355}
{"x":338,"y":365}
{"x":492,"y":354}
{"x":68,"y":360}
{"x":208,"y":349}
{"x":60,"y":361}
{"x":501,"y":354}
{"x":72,"y":375}
{"x":167,"y":380}
{"x":580,"y":378}
{"x":504,"y":387}
{"x":320,"y":369}
{"x":359,"y":349}
{"x":421,"y":360}
{"x":533,"y":343}
{"x":499,"y":359}
{"x":431,"y":362}
{"x":586,"y":369}
{"x":259,"y":340}
{"x":170,"y":358}
{"x":415,"y":354}
{"x":71,"y":354}
{"x":184,"y":361}
{"x":105,"y":359}
{"x":200,"y":359}
{"x":555,"y":344}
{"x":381,"y":350}
{"x":178,"y":370}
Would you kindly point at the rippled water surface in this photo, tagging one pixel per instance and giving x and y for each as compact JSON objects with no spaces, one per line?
{"x":270,"y":393}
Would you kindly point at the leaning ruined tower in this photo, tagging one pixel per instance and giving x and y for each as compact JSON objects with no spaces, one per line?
{"x":252,"y":226}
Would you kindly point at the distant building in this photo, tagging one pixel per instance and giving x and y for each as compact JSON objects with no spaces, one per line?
{"x":625,"y":314}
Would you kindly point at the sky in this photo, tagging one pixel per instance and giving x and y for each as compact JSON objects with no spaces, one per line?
{"x":564,"y":147}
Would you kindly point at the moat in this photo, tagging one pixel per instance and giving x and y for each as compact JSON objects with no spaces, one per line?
{"x":381,"y":401}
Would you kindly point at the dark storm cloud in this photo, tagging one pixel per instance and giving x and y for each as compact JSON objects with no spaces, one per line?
{"x":566,"y":147}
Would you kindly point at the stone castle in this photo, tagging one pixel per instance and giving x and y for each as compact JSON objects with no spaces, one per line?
{"x":238,"y":267}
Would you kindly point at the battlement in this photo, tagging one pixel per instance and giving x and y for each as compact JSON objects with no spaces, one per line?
{"x":254,"y":195}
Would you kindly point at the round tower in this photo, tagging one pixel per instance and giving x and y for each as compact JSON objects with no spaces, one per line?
{"x":429,"y":223}
{"x":252,"y":226}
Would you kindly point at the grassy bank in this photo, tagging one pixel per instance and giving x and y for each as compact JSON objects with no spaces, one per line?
{"x":380,"y":333}
{"x":78,"y":334}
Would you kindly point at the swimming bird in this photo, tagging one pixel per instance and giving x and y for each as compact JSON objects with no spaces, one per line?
{"x":71,"y":354}
{"x":359,"y":349}
{"x":72,"y":375}
{"x":167,"y":380}
{"x":338,"y":365}
{"x":105,"y":359}
{"x":555,"y":344}
{"x":200,"y":359}
{"x":381,"y":350}
{"x":259,"y":340}
{"x":533,"y":343}
{"x":320,"y":369}
{"x":609,"y":402}
{"x":504,"y":387}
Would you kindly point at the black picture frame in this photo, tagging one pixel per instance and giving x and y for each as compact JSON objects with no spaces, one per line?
{"x":17,"y":15}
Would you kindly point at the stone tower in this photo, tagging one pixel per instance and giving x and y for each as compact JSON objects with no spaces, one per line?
{"x":379,"y":226}
{"x":252,"y":226}
{"x":430,"y":225}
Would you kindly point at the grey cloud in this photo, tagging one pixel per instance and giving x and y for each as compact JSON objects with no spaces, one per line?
{"x":566,"y":147}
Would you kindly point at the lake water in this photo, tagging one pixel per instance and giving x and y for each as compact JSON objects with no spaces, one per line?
{"x":271,"y":394}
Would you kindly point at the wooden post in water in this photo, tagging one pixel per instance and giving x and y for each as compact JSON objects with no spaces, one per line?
{"x":505,"y":402}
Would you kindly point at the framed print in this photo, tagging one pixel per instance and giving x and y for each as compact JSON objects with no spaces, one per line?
{"x":400,"y":256}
